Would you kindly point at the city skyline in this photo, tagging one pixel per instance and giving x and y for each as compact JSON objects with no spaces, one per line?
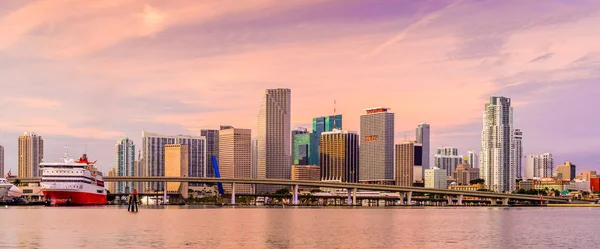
{"x":203,"y":88}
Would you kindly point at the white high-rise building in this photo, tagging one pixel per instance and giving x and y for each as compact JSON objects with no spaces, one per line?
{"x":436,"y":178}
{"x":423,"y":133}
{"x":376,"y":146}
{"x":517,"y":153}
{"x":274,"y":137}
{"x":538,"y":166}
{"x":496,"y":143}
{"x":124,"y":164}
{"x":154,"y":155}
{"x":447,"y":158}
{"x":473,"y":159}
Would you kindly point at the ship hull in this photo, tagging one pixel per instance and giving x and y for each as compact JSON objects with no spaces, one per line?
{"x":59,"y":197}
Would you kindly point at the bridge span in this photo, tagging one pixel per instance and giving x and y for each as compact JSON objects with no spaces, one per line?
{"x":404,"y":191}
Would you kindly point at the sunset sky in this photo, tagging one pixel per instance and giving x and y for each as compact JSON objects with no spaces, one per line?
{"x":86,"y":73}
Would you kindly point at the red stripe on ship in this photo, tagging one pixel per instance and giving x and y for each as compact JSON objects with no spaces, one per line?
{"x":77,"y":198}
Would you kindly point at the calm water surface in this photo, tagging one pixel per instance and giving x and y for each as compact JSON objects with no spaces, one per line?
{"x":176,"y":227}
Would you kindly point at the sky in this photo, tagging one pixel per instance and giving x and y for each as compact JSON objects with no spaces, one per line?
{"x":84,"y":74}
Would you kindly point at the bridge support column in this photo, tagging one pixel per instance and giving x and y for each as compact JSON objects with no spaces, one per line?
{"x":354,"y":196}
{"x":233,"y":194}
{"x":460,"y":199}
{"x":295,"y":201}
{"x":164,"y":194}
{"x":450,"y":201}
{"x":409,"y":198}
{"x":401,"y":198}
{"x":505,"y":201}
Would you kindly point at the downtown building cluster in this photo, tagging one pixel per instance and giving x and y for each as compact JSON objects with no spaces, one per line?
{"x":328,"y":153}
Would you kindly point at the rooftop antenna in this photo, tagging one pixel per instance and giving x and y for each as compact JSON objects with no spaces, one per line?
{"x":334,"y":117}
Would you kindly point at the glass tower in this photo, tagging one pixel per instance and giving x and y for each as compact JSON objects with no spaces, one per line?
{"x":327,"y":123}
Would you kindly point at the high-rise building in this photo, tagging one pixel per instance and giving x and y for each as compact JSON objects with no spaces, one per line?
{"x":339,"y":156}
{"x":423,"y":138}
{"x":235,"y":157}
{"x":327,"y":123}
{"x":139,"y":171}
{"x":124,"y":164}
{"x":274,"y":137}
{"x":254,"y":158}
{"x":31,"y":154}
{"x":496,"y":142}
{"x":517,"y":153}
{"x":464,"y":174}
{"x":1,"y":161}
{"x":436,"y":178}
{"x":110,"y":186}
{"x":212,"y":149}
{"x":306,"y":173}
{"x":473,"y":159}
{"x":566,"y":172}
{"x":405,"y":163}
{"x":154,"y":159}
{"x":377,"y":146}
{"x":306,"y":149}
{"x":447,"y":158}
{"x":176,"y":165}
{"x":538,"y":166}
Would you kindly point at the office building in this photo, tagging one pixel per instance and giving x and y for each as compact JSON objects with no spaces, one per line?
{"x":254,"y":158}
{"x":31,"y":154}
{"x":586,"y":175}
{"x":566,"y":172}
{"x":235,"y":158}
{"x":124,"y":164}
{"x":377,"y":146}
{"x":306,"y":149}
{"x":339,"y":156}
{"x":408,"y":156}
{"x":464,"y":174}
{"x":423,"y":138}
{"x":1,"y":161}
{"x":496,"y":143}
{"x":447,"y":158}
{"x":327,"y":123}
{"x":176,"y":165}
{"x":473,"y":159}
{"x":538,"y":166}
{"x":212,"y":149}
{"x":153,"y":146}
{"x":436,"y":178}
{"x":139,"y":171}
{"x":517,"y":153}
{"x":306,"y":173}
{"x":274,"y":137}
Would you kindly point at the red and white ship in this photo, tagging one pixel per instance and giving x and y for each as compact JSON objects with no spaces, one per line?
{"x":72,"y":183}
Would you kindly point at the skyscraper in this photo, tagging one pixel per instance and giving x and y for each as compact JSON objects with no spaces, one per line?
{"x":538,"y":166}
{"x":436,"y":178}
{"x":447,"y":158}
{"x":124,"y":164}
{"x":274,"y":137}
{"x":176,"y":165}
{"x":212,"y":149}
{"x":423,"y":133}
{"x":339,"y":156}
{"x":377,"y":146}
{"x":327,"y":123}
{"x":566,"y":172}
{"x":139,"y":171}
{"x":405,"y":163}
{"x":235,"y":157}
{"x":254,"y":158}
{"x":517,"y":153}
{"x":496,"y":143}
{"x":154,"y":158}
{"x":31,"y":154}
{"x":306,"y":149}
{"x":473,"y":159}
{"x":1,"y":161}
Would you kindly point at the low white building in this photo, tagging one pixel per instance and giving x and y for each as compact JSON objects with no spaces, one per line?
{"x":436,"y":178}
